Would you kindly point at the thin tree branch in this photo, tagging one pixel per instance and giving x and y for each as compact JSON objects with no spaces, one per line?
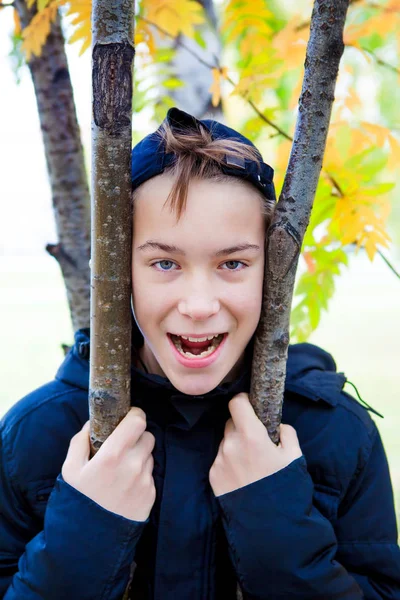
{"x":178,"y":41}
{"x":335,"y":184}
{"x":376,"y":58}
{"x":389,"y":264}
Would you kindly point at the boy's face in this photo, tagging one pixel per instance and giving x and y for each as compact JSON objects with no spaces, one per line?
{"x":186,"y":282}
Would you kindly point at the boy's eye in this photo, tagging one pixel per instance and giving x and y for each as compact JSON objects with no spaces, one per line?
{"x":231,"y":265}
{"x":165,"y":265}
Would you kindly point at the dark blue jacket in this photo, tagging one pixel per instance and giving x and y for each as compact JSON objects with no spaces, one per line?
{"x":322,"y":528}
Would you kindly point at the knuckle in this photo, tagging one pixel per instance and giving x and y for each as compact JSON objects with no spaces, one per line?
{"x":289,"y":431}
{"x":232,"y":402}
{"x":75,"y":438}
{"x":137,"y":467}
{"x":65,"y":471}
{"x":140,"y":422}
{"x":110,"y":458}
{"x":150,"y":439}
{"x":228,"y":447}
{"x":135,"y":411}
{"x":253,"y":444}
{"x":150,"y":463}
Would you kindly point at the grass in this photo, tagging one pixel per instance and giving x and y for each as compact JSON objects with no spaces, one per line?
{"x":361,"y":330}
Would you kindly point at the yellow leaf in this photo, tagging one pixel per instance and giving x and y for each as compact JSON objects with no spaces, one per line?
{"x":378,"y":132}
{"x":175,"y":16}
{"x":245,"y":25}
{"x":290,"y":44}
{"x":359,"y":141}
{"x":35,"y":34}
{"x":17,"y":22}
{"x":41,"y":4}
{"x":144,"y":33}
{"x":81,"y":11}
{"x":352,"y":100}
{"x":370,"y":247}
{"x":394,"y":154}
{"x":215,"y":88}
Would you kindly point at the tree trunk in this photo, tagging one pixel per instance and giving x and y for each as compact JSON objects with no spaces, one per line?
{"x":65,"y":165}
{"x":110,"y":319}
{"x":285,"y":236}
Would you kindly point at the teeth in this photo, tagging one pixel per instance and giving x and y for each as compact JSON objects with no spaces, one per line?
{"x":213,"y":345}
{"x":203,"y":339}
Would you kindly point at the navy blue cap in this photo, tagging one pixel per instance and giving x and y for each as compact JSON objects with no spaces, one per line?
{"x":149,"y":157}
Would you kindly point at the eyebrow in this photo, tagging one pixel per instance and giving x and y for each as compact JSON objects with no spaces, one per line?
{"x":153,"y":245}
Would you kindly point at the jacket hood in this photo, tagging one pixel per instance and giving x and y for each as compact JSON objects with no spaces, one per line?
{"x":310,"y":372}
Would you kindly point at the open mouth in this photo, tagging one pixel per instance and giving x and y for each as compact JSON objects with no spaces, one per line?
{"x":196,"y":347}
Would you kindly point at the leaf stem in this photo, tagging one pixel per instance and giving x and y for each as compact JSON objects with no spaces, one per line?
{"x":389,"y":264}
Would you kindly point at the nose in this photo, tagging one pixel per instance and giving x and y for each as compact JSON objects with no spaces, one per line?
{"x":199,"y":302}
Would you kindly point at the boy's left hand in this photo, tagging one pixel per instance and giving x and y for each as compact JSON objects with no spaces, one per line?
{"x":246,"y":452}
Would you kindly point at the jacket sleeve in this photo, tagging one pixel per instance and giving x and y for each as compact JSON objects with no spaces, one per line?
{"x":282,"y":547}
{"x":84,"y":550}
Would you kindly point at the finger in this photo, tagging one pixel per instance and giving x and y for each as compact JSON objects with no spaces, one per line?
{"x":79,"y":447}
{"x":145,"y":443}
{"x":229,"y":427}
{"x":149,"y":464}
{"x":243,"y":415}
{"x":288,"y":437}
{"x":127,"y":432}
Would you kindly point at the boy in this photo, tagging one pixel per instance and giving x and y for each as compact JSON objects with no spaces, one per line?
{"x":189,"y":490}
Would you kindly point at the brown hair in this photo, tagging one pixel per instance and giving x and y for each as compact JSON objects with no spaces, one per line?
{"x":199,"y":156}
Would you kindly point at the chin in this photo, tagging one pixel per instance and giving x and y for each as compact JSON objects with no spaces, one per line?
{"x":196,"y":385}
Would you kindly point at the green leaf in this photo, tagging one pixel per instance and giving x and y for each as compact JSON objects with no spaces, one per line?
{"x":199,"y":39}
{"x":378,"y":189}
{"x":173,"y":83}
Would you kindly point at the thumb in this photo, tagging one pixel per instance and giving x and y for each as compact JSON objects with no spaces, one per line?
{"x":79,"y":449}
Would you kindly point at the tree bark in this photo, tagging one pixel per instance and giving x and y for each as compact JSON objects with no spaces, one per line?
{"x":65,"y":165}
{"x":285,"y":236}
{"x":110,"y":350}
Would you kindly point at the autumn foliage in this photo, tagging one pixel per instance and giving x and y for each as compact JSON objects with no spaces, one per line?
{"x":260,"y":79}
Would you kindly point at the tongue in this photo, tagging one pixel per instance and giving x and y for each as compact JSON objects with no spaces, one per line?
{"x":188,"y":346}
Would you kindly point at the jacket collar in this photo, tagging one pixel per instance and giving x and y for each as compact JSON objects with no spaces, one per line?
{"x":310,"y":372}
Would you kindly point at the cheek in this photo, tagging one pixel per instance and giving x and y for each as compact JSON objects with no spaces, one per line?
{"x":150,"y":305}
{"x":248,"y":297}
{"x":245,"y":304}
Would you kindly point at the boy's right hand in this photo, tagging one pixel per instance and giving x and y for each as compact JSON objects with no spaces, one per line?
{"x":120,"y":475}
